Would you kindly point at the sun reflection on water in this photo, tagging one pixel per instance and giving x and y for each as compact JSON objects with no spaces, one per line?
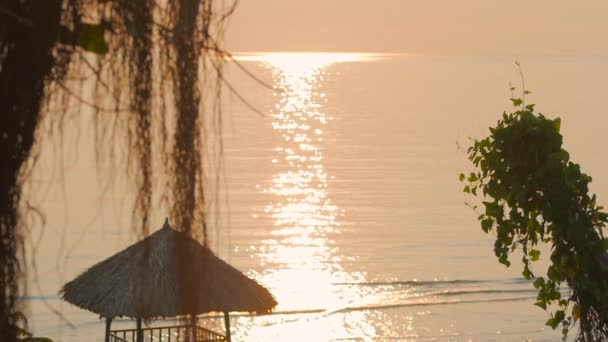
{"x":304,"y":262}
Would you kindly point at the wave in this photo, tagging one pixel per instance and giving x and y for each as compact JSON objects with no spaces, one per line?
{"x":481,"y":291}
{"x":324,"y":312}
{"x":381,"y":306}
{"x":433,"y":282}
{"x":413,"y":304}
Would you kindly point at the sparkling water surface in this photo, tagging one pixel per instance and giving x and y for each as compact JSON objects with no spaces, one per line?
{"x":342,"y":198}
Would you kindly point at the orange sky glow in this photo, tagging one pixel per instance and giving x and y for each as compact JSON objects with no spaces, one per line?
{"x":539,"y":27}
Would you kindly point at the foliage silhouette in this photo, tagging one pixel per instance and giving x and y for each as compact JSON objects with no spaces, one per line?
{"x":151,"y":73}
{"x":532,"y":193}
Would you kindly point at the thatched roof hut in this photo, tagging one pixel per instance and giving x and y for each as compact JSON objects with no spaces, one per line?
{"x":167,"y":274}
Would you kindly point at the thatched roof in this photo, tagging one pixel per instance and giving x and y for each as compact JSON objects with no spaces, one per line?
{"x":166,"y":274}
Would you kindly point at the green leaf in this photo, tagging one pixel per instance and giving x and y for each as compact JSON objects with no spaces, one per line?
{"x":530,"y":107}
{"x":517,"y":102}
{"x":472,"y":177}
{"x":539,"y":282}
{"x":534,"y":254}
{"x":461,"y":177}
{"x":504,"y":259}
{"x":541,"y":304}
{"x":527,"y":273}
{"x":486,"y":225}
{"x":91,"y":38}
{"x":560,"y":315}
{"x":557,"y":123}
{"x":493,"y":209}
{"x":553,"y":322}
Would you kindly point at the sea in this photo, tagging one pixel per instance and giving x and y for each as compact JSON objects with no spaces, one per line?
{"x":339,"y":192}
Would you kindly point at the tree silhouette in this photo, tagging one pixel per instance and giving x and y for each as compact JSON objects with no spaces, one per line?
{"x":157,"y":72}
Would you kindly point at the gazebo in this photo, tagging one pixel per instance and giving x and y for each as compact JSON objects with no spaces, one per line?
{"x":167,"y":274}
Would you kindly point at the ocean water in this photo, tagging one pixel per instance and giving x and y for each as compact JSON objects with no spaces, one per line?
{"x":341,"y":195}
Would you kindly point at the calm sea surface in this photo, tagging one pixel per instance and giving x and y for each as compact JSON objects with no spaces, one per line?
{"x":342,"y":198}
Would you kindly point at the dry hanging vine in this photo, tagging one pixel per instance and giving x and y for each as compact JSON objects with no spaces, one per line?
{"x":150,"y":71}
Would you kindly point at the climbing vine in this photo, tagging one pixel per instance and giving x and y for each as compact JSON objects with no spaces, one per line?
{"x":531,"y":194}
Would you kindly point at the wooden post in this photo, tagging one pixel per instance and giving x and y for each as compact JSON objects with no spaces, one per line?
{"x":140,"y":333}
{"x":227,"y":325}
{"x":108,"y":324}
{"x":193,"y":326}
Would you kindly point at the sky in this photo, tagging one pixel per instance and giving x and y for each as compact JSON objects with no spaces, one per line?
{"x":478,"y":27}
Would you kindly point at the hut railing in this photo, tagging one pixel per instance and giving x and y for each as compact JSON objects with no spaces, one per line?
{"x":176,"y":333}
{"x":114,"y":338}
{"x":208,"y":335}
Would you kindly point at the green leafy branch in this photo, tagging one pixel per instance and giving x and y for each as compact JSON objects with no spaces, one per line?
{"x":532,"y":193}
